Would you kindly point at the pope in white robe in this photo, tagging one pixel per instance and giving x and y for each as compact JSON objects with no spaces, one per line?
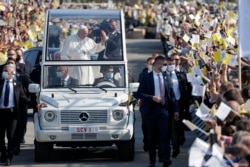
{"x":80,"y":47}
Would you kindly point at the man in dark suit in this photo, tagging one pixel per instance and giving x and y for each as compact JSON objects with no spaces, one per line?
{"x":63,"y":78}
{"x":27,"y":66}
{"x":11,"y":54}
{"x":146,"y":70}
{"x":182,"y":94}
{"x":25,"y":69}
{"x":52,"y":69}
{"x":35,"y":76}
{"x":108,"y":79}
{"x":11,"y":92}
{"x":113,"y":44}
{"x":155,"y":94}
{"x":23,"y":110}
{"x":20,"y":67}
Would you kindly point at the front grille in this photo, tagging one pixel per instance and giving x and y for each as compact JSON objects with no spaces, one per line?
{"x":73,"y":117}
{"x":89,"y":136}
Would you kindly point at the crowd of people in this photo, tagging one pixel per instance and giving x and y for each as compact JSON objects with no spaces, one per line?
{"x":200,"y":61}
{"x":22,"y":23}
{"x":198,"y":76}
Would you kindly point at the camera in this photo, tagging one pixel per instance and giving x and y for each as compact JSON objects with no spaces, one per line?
{"x":98,"y":28}
{"x":233,"y":150}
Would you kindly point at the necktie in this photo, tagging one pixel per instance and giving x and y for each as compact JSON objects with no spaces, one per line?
{"x":161,"y":90}
{"x":171,"y":79}
{"x":64,"y":83}
{"x":6,"y":95}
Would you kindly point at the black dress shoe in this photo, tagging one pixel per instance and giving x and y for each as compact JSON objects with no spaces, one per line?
{"x":151,"y":165}
{"x":8,"y":162}
{"x":175,"y":153}
{"x":167,"y":163}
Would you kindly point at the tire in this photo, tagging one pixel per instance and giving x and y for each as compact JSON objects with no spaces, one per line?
{"x":126,"y":150}
{"x":42,"y":151}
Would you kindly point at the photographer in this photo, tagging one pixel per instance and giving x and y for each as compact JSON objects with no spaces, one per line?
{"x":113,"y":43}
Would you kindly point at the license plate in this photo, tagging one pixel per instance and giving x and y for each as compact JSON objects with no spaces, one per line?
{"x":83,"y":129}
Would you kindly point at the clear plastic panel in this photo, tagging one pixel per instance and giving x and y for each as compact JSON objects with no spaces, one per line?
{"x":85,"y":35}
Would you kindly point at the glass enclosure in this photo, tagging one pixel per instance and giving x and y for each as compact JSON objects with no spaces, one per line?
{"x":85,"y":35}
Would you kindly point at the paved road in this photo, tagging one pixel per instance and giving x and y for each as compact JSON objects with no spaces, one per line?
{"x":138,"y":52}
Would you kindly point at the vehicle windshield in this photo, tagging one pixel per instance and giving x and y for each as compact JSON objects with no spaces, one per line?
{"x":78,"y":76}
{"x":85,"y":35}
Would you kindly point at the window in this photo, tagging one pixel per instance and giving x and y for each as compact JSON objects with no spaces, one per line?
{"x":87,"y":35}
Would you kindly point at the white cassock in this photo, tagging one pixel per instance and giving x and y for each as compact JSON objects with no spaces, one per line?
{"x":75,"y":48}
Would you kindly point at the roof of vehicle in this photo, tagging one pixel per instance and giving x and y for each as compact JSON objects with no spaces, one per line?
{"x":34,"y":48}
{"x":90,"y":12}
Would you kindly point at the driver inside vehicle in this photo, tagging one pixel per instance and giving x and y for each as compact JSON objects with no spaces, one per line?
{"x":108,"y":79}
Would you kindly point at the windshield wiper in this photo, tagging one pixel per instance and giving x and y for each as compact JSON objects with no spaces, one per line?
{"x":60,"y":86}
{"x":102,"y":89}
{"x":91,"y":85}
{"x":72,"y":89}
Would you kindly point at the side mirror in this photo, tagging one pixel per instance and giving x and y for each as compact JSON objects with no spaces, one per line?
{"x":133,"y":87}
{"x":34,"y":88}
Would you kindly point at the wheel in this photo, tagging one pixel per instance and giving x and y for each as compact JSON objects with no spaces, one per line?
{"x":42,"y":151}
{"x":106,"y":84}
{"x":126,"y":150}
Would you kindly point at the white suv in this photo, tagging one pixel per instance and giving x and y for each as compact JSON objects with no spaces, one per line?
{"x":98,"y":113}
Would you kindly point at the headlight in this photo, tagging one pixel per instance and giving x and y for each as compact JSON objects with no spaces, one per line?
{"x":49,"y":116}
{"x":117,"y":114}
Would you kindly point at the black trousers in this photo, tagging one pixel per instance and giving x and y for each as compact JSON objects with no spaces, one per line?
{"x":8,"y":124}
{"x":21,"y":126}
{"x":144,"y":128}
{"x":165,"y":47}
{"x":158,"y":133}
{"x":54,"y":41}
{"x":177,"y":128}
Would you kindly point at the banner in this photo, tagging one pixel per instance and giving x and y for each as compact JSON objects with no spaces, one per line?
{"x":244,"y":27}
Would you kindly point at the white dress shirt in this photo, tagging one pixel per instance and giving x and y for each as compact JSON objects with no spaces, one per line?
{"x":175,"y":85}
{"x":156,"y":83}
{"x":65,"y":81}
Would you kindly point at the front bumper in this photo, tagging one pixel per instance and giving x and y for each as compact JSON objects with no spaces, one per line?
{"x":67,"y":136}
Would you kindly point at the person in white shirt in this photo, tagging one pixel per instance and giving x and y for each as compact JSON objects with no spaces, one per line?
{"x":55,"y":31}
{"x":165,"y":33}
{"x":80,"y":47}
{"x":182,"y":94}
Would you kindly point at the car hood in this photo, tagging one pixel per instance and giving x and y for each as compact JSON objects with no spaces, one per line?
{"x":60,"y":100}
